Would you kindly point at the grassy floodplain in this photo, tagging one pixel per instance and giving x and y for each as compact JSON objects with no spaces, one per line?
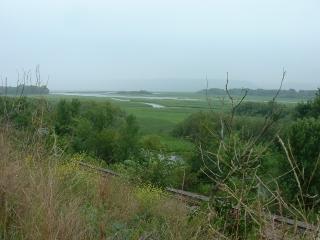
{"x":174,"y":107}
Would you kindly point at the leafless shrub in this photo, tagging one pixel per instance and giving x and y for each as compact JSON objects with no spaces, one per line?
{"x":241,"y":202}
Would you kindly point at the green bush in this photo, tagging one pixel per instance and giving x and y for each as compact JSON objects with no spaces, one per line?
{"x":152,"y":143}
{"x":262,"y":109}
{"x":63,"y":118}
{"x":206,"y":128}
{"x":99,"y":129}
{"x":304,"y":139}
{"x":22,"y":111}
{"x":309,"y":109}
{"x":198,"y":127}
{"x":155,"y":168}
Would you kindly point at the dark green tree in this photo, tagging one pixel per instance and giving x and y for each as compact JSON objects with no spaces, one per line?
{"x":304,"y":154}
{"x":309,"y":109}
{"x":63,"y":118}
{"x":75,"y":107}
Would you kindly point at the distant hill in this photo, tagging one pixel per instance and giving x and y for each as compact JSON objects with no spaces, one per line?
{"x":291,"y":93}
{"x":24,"y":90}
{"x":141,"y":92}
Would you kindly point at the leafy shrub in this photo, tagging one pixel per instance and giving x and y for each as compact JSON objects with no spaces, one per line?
{"x":99,"y":129}
{"x":309,"y":109}
{"x":262,"y":109}
{"x":23,"y":113}
{"x":198,"y":127}
{"x":63,"y":118}
{"x":304,"y":148}
{"x":205,"y":128}
{"x":152,"y":142}
{"x":152,"y":167}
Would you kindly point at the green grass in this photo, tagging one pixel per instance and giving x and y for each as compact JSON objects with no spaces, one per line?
{"x":161,"y":121}
{"x":176,"y":145}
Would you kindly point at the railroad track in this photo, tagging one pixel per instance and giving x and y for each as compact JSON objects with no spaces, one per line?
{"x":197,"y":199}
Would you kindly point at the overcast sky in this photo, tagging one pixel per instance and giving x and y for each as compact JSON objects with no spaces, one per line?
{"x":161,"y":45}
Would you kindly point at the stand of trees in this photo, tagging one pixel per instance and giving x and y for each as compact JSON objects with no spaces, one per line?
{"x":24,"y":90}
{"x":291,"y":93}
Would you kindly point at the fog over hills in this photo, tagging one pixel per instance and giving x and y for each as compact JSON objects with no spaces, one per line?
{"x":188,"y":85}
{"x":162,"y":45}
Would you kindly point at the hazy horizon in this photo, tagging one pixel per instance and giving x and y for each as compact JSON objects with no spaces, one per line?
{"x":215,"y":83}
{"x":162,"y":45}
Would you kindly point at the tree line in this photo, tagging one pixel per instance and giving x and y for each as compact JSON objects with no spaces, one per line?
{"x":23,"y":89}
{"x":290,"y":93}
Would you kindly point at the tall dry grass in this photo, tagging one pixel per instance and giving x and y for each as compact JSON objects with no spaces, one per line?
{"x":46,"y":197}
{"x":32,"y":204}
